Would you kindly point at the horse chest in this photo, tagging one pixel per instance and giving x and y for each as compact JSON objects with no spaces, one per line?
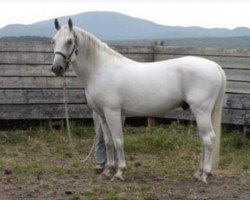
{"x":94,"y":101}
{"x":90,"y":101}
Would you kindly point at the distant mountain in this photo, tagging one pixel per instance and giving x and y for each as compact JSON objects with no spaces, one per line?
{"x":115,"y":26}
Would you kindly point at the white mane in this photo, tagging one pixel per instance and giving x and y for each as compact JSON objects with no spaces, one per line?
{"x":93,"y":45}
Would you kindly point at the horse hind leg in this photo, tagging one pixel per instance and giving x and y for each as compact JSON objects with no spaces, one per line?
{"x":207,"y":136}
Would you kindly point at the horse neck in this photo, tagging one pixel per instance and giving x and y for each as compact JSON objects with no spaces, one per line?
{"x":93,"y":55}
{"x":95,"y":52}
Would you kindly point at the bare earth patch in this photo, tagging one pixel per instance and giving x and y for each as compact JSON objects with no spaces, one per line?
{"x":79,"y":187}
{"x":42,"y":168}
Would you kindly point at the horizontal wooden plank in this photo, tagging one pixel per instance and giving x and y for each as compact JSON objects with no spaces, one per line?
{"x":230,"y":116}
{"x":43,"y":111}
{"x":238,"y":87}
{"x":45,"y":58}
{"x":77,"y":111}
{"x":42,"y":47}
{"x":74,"y":82}
{"x":38,"y":82}
{"x":30,"y":70}
{"x":239,"y":117}
{"x":25,"y":47}
{"x":55,"y":96}
{"x":140,"y":57}
{"x":45,"y":70}
{"x":237,"y":101}
{"x":26,"y":58}
{"x":238,"y":74}
{"x":35,"y":58}
{"x":231,"y":62}
{"x":209,"y":51}
{"x":133,"y":49}
{"x":41,"y":96}
{"x":224,"y":62}
{"x":237,"y":69}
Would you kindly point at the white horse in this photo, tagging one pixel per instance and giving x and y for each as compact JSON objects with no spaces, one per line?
{"x":116,"y":86}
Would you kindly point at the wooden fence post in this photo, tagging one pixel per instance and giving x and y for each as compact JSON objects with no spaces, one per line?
{"x":151,"y":120}
{"x":246,"y":130}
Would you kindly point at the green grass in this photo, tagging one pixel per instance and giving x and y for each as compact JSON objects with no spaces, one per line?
{"x":42,"y":157}
{"x":161,"y":139}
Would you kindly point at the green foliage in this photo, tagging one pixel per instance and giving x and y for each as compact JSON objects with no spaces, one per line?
{"x":233,"y":142}
{"x":113,"y":196}
{"x":13,"y":137}
{"x":151,"y":197}
{"x":156,"y":158}
{"x":161,"y":139}
{"x":79,"y":130}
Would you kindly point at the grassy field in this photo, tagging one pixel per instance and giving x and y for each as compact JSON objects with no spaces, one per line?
{"x":38,"y":164}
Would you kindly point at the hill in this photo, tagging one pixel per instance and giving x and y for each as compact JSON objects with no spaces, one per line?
{"x":116,"y":26}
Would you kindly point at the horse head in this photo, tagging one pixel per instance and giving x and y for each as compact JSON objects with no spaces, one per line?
{"x":65,"y":47}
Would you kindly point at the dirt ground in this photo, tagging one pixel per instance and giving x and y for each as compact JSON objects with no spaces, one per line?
{"x":219,"y":188}
{"x":161,"y":164}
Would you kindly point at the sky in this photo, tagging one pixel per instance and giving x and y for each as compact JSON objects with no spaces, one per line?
{"x":208,"y":14}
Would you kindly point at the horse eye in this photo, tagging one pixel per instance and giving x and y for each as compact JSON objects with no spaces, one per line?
{"x":69,"y":42}
{"x":52,"y":42}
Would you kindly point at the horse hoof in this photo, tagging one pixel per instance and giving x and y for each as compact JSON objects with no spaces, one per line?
{"x":201,"y":177}
{"x":98,"y":169}
{"x":103,"y":177}
{"x":197,"y":175}
{"x":204,"y":180}
{"x":117,"y":177}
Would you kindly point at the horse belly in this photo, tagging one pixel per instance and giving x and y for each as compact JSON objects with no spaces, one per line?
{"x":156,"y":106}
{"x":150,"y":92}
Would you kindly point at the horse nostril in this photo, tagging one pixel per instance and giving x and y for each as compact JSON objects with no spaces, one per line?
{"x":57,"y":69}
{"x":60,"y":68}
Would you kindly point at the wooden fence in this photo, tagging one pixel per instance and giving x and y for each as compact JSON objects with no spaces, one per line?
{"x":29,"y":90}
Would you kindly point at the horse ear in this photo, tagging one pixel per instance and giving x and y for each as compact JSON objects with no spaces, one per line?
{"x":57,"y":25}
{"x":70,"y":23}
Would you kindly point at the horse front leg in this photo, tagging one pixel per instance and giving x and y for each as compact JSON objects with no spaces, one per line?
{"x":114,"y":121}
{"x":110,"y":163}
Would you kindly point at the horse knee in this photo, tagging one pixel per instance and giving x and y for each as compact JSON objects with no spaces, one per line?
{"x":109,"y":144}
{"x":208,"y":140}
{"x":118,"y":143}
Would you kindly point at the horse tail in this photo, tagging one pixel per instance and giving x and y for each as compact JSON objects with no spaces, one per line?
{"x":217,"y":118}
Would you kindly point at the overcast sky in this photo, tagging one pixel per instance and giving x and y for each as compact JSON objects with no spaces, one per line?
{"x":209,"y":14}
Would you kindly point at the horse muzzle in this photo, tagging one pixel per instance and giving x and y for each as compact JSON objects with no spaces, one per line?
{"x":58,"y":70}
